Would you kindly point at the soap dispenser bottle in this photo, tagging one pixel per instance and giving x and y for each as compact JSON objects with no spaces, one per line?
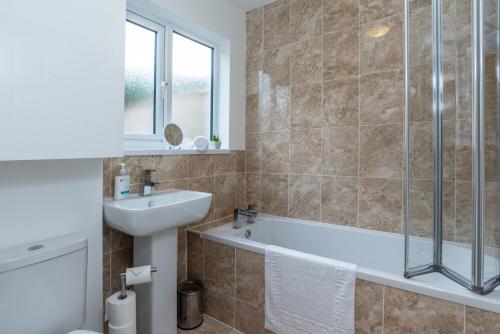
{"x":122,"y":183}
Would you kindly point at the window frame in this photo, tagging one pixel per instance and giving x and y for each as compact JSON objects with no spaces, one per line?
{"x":163,"y":90}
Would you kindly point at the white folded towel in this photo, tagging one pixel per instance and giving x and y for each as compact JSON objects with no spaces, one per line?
{"x":308,"y":294}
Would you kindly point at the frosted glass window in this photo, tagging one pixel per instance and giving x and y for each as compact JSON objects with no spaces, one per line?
{"x":192,"y":86}
{"x":140,"y":77}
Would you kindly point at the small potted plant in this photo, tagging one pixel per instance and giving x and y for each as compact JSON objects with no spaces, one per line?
{"x":216,"y":142}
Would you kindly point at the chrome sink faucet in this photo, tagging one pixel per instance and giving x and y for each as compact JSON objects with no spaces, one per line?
{"x":250,"y":214}
{"x":149,"y":184}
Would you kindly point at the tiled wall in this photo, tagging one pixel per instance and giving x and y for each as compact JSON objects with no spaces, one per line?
{"x":324,"y":133}
{"x":324,"y":120}
{"x":221,"y":175}
{"x":234,"y":282}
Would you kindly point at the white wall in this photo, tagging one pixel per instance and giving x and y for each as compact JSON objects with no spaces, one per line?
{"x":225,"y":22}
{"x":44,"y":199}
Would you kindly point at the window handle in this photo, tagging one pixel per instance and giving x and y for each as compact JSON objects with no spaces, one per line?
{"x":164,"y":86}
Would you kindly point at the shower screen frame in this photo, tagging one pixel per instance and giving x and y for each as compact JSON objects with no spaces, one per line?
{"x":476,"y":283}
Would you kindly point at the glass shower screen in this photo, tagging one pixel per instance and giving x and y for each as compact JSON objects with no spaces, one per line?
{"x":452,"y":151}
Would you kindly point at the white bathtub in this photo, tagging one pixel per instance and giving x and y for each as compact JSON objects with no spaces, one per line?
{"x":379,"y":255}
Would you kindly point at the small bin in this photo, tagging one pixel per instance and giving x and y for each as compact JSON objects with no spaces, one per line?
{"x":189,"y":300}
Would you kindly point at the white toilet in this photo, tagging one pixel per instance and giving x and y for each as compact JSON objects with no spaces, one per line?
{"x":43,"y":287}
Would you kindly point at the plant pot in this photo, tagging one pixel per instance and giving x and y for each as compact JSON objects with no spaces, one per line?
{"x":216,"y":145}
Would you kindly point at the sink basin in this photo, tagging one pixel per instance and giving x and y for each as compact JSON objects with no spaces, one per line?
{"x":145,"y":216}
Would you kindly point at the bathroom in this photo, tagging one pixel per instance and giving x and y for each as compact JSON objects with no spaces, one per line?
{"x":350,"y":148}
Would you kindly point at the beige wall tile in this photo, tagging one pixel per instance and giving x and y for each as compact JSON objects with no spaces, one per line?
{"x":255,"y":31}
{"x":421,"y":99}
{"x":204,"y":184}
{"x":307,"y":58}
{"x":240,"y":161}
{"x":480,"y":321}
{"x":463,"y":150}
{"x":254,"y":68}
{"x":249,"y":319}
{"x":219,"y":267}
{"x":224,"y":195}
{"x":106,"y":275}
{"x":449,"y":207}
{"x":181,"y":255}
{"x":341,"y":54}
{"x":305,"y":151}
{"x":120,"y":240}
{"x":381,"y":151}
{"x":170,"y":185}
{"x":382,"y":51}
{"x":381,"y":96}
{"x":339,"y":200}
{"x":371,"y":10}
{"x":275,"y":91}
{"x":252,"y":114}
{"x":225,"y":164}
{"x":341,"y":102}
{"x":464,"y":88}
{"x":209,"y":326}
{"x":340,"y":151}
{"x":421,"y":150}
{"x":306,"y":19}
{"x":239,"y":196}
{"x":306,"y":106}
{"x":135,"y":166}
{"x":380,"y":204}
{"x":250,"y":277}
{"x":277,"y":67}
{"x":120,"y":261}
{"x":369,"y":307}
{"x":253,"y":152}
{"x":194,"y":256}
{"x":219,"y":306}
{"x":304,"y":197}
{"x":170,"y":167}
{"x":200,"y":166}
{"x":340,"y":14}
{"x":106,"y":173}
{"x":463,"y":212}
{"x":276,"y":25}
{"x":421,"y":208}
{"x":252,"y":189}
{"x":491,"y":155}
{"x":275,"y":152}
{"x":106,"y":238}
{"x":448,"y":134}
{"x":406,"y":312}
{"x":275,"y":194}
{"x":275,"y":109}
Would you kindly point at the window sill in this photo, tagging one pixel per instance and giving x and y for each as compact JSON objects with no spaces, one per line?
{"x":131,"y":152}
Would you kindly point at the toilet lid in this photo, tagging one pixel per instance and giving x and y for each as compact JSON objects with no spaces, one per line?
{"x":83,"y":332}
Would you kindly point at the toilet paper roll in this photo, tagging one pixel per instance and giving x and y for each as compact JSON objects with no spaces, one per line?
{"x":121,"y":312}
{"x":138,"y":275}
{"x":129,"y":329}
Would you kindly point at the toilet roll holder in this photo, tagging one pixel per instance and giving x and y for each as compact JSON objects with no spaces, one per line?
{"x":123,"y":293}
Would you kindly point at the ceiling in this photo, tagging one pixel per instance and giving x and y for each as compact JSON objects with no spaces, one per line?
{"x":250,"y":4}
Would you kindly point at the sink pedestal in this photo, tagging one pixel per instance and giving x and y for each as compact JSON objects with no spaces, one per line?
{"x":157,"y":301}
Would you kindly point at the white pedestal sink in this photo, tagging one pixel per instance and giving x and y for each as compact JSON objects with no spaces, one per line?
{"x":153,"y":221}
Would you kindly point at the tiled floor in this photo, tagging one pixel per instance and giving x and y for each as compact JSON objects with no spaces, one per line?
{"x":210,"y":326}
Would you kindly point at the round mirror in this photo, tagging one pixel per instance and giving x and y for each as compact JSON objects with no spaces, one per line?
{"x":173,"y":134}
